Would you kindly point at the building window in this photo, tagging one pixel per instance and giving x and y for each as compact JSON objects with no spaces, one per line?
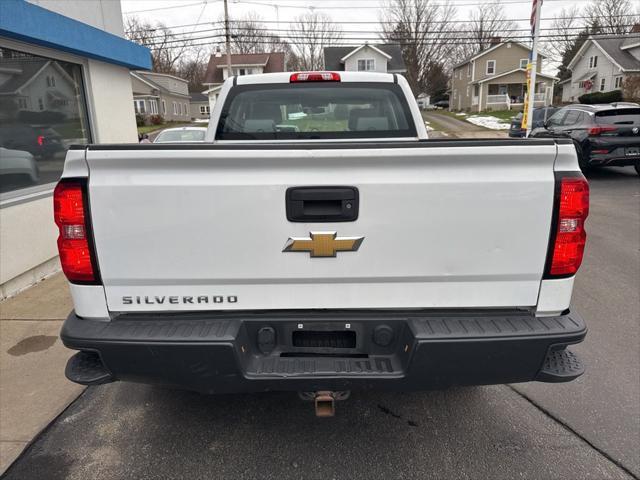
{"x":37,"y":123}
{"x":186,"y":109}
{"x":593,"y":61}
{"x":467,"y":90}
{"x":139,"y":106}
{"x":618,"y":82}
{"x":164,"y":107}
{"x":153,"y":107}
{"x":366,"y":64}
{"x":202,"y":110}
{"x":491,"y":67}
{"x":175,"y":108}
{"x":469,"y":67}
{"x":602,"y":84}
{"x":524,"y":62}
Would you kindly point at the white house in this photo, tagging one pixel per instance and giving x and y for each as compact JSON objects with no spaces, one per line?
{"x":64,"y":79}
{"x":365,"y":57}
{"x":602,"y":64}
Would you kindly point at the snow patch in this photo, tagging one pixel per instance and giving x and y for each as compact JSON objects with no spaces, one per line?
{"x":428,"y":125}
{"x":461,"y":114}
{"x":492,"y":123}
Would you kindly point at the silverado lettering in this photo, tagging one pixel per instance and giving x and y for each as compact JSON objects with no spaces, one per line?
{"x":130,"y":300}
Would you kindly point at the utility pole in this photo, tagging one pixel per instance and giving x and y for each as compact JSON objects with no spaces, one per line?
{"x":228,"y":38}
{"x":536,"y":13}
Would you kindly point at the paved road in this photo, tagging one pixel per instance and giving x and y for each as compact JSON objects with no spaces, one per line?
{"x":587,"y":429}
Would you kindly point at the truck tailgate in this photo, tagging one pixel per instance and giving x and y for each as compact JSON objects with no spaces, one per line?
{"x":444,"y":224}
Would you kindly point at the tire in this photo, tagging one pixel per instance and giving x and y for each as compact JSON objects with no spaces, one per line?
{"x":637,"y":167}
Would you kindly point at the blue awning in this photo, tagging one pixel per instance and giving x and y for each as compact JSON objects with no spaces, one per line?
{"x":30,"y":23}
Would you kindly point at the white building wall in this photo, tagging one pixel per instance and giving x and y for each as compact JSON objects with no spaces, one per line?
{"x":103,"y":14}
{"x":351,"y":63}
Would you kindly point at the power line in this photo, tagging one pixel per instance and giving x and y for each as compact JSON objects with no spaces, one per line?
{"x":373,"y":22}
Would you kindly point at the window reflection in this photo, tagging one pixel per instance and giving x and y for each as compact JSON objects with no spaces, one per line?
{"x":42,"y":112}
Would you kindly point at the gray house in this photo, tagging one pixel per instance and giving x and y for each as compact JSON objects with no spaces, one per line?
{"x":365,"y":58}
{"x":199,"y":105}
{"x":161,"y":94}
{"x":602,"y":64}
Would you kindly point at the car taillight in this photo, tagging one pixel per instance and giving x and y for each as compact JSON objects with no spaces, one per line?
{"x":314,"y":77}
{"x":41,"y":140}
{"x":74,"y":239}
{"x":595,"y":131}
{"x":568,"y":234}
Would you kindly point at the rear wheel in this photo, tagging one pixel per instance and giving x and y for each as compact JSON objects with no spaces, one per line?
{"x":637,"y":167}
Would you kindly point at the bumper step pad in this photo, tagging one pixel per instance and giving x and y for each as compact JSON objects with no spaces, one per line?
{"x":560,"y":366}
{"x":86,"y":368}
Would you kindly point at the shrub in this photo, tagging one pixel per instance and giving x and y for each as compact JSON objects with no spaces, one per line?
{"x":156,"y":120}
{"x":601,"y":97}
{"x":139,"y":121}
{"x":631,"y":88}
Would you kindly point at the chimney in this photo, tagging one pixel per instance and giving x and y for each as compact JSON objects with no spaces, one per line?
{"x":635,"y":28}
{"x":494,"y":41}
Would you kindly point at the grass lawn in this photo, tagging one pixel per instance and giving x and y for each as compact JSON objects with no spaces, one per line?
{"x":505,"y":115}
{"x":153,"y":128}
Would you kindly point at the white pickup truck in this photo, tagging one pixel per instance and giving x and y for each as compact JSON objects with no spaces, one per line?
{"x":318,"y":242}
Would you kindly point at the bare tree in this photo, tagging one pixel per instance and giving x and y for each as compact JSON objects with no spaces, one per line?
{"x":488,"y":24}
{"x":423,"y":30}
{"x":611,"y":16}
{"x":167,"y":49}
{"x":563,"y":33}
{"x":194,"y":68}
{"x":308,"y":35}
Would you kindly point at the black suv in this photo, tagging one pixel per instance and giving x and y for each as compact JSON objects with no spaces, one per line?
{"x":604,"y":135}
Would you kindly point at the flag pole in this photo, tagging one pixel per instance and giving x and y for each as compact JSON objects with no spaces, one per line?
{"x":532,"y":67}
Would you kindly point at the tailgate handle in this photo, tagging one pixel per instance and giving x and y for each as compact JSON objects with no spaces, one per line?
{"x":322,"y":204}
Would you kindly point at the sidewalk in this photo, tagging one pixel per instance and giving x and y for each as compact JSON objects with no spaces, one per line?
{"x":33,"y":387}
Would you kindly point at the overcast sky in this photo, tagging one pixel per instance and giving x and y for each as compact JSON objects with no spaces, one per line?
{"x":182,"y":12}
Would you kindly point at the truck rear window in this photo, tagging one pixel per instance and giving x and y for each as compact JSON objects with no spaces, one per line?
{"x":315,"y":111}
{"x":619,"y":116}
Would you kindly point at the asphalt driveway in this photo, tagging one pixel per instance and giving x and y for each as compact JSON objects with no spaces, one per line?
{"x":587,"y":429}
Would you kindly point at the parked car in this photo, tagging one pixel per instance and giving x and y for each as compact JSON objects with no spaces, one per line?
{"x":323,"y":253}
{"x":181,"y":135}
{"x":604,"y":135}
{"x":17,"y":168}
{"x":540,"y":115}
{"x":442,"y":104}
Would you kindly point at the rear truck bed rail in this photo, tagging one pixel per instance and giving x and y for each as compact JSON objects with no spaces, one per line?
{"x":227,"y":352}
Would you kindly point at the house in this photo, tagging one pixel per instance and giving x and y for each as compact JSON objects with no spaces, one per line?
{"x":199,"y":106}
{"x":241,"y":64}
{"x":37,"y":85}
{"x":64,"y":79}
{"x":602,"y":64}
{"x":496,"y":79}
{"x":161,"y":94}
{"x":365,"y":58}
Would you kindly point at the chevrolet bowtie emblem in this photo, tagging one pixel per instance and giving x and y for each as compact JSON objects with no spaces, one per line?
{"x":323,"y":244}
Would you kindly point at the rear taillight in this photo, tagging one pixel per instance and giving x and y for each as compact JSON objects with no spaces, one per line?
{"x":568,"y":235}
{"x":40,"y":140}
{"x":595,"y":131}
{"x":314,"y":77}
{"x":74,"y":240}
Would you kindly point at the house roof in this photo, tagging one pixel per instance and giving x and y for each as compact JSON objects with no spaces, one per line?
{"x":611,"y":47}
{"x":334,"y":56}
{"x":27,"y":70}
{"x":538,"y":74}
{"x":198,"y":97}
{"x":587,"y":76}
{"x":272,"y":62}
{"x":484,"y":52}
{"x":356,"y":50}
{"x":143,"y":76}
